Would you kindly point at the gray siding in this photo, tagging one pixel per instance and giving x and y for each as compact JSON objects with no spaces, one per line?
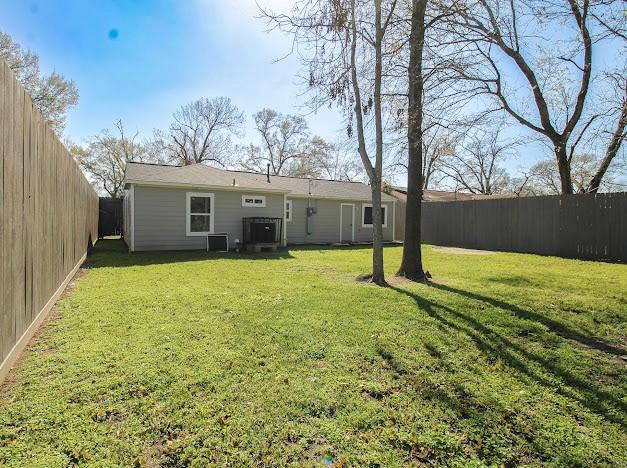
{"x":399,"y":220}
{"x":160,"y":224}
{"x":325,"y":223}
{"x":160,"y":212}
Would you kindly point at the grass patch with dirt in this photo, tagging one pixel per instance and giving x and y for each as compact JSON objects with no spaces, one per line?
{"x":190,"y":359}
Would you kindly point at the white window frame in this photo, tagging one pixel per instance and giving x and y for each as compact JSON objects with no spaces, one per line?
{"x":188,"y":213}
{"x":254,"y":205}
{"x":363,"y":212}
{"x":291,"y":207}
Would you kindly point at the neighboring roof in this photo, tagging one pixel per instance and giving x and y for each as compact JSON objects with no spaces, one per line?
{"x":400,"y":193}
{"x":202,"y":175}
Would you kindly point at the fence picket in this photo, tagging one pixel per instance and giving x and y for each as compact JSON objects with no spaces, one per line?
{"x":589,"y":226}
{"x":48,"y":210}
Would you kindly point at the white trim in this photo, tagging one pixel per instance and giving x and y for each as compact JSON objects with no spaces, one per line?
{"x":394,"y":220}
{"x":285,"y":201}
{"x":211,"y":214}
{"x":132,"y":218}
{"x":245,"y":189}
{"x":289,"y":202}
{"x":353,"y":222}
{"x":246,"y":204}
{"x":19,"y":346}
{"x":385,"y":218}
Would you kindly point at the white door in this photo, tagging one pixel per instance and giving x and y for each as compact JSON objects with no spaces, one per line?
{"x":347,"y":222}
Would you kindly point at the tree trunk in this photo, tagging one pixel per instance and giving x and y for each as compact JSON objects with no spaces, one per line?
{"x":563,"y":165}
{"x":411,"y":263}
{"x":378,"y":275}
{"x":612,"y":150}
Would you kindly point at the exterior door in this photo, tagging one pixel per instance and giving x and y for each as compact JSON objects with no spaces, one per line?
{"x":347,"y":221}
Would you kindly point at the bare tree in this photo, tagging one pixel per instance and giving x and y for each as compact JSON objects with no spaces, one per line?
{"x":200,"y":132}
{"x":434,"y":149}
{"x":323,"y":160}
{"x":104,"y":158}
{"x":343,"y":163}
{"x":411,"y":262}
{"x":437,"y":142}
{"x":543,"y":177}
{"x":315,"y":161}
{"x":343,"y":45}
{"x":616,"y":137}
{"x":361,"y":31}
{"x":285,"y":145}
{"x":521,"y":185}
{"x":53,"y":95}
{"x":501,"y":36}
{"x":474,"y":164}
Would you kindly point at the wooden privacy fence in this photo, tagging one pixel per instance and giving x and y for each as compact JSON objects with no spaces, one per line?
{"x":48,"y":214}
{"x":588,"y":226}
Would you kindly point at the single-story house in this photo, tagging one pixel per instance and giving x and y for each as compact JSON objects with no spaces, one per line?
{"x":177,"y":207}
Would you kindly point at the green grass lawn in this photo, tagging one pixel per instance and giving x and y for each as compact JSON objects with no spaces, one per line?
{"x":176,"y":359}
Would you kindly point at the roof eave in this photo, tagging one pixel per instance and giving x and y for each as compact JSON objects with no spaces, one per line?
{"x":327,"y":197}
{"x":236,"y":188}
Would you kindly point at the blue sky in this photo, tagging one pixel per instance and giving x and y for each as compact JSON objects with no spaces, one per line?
{"x":138,"y":60}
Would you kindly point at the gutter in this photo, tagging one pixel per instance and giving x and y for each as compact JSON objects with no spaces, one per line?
{"x":239,"y":188}
{"x":227,"y":188}
{"x":325,"y":197}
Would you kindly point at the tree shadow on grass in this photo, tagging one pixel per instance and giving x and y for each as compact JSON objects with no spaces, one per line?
{"x":556,"y":327}
{"x":529,"y":365}
{"x":516,"y":281}
{"x":113,"y":253}
{"x":341,"y":247}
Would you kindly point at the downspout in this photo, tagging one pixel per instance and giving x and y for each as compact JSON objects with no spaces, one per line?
{"x":309,"y":210}
{"x":394,"y":220}
{"x":308,"y":216}
{"x":285,"y":220}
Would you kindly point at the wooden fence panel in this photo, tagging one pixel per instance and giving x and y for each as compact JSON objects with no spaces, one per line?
{"x":619,"y":226}
{"x":48,"y":215}
{"x":4,"y":207}
{"x":588,"y":226}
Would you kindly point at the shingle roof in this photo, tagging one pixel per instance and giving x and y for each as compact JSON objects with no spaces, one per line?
{"x":202,"y":175}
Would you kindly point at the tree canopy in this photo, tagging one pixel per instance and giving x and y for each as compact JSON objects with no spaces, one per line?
{"x":52,"y":94}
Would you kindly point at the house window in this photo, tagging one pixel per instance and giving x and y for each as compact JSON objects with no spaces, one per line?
{"x":366,"y":215}
{"x":254,"y":200}
{"x":199,"y":214}
{"x":288,"y":210}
